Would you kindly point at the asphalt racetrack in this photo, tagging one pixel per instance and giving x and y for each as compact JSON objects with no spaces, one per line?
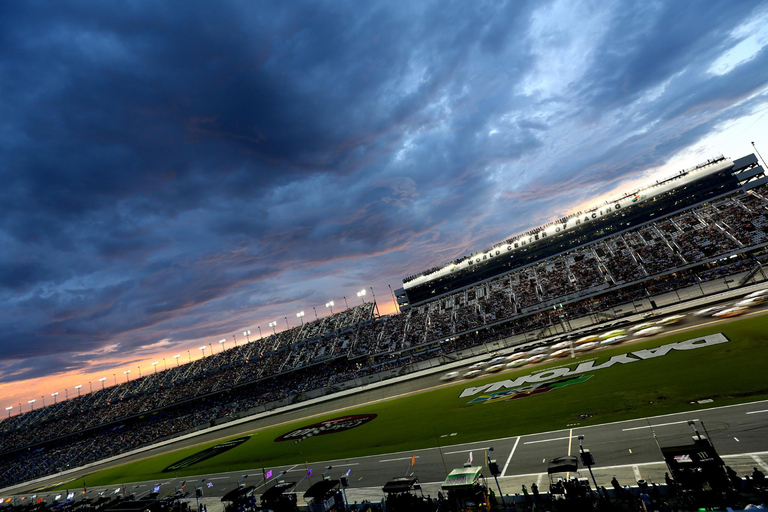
{"x":627,"y":449}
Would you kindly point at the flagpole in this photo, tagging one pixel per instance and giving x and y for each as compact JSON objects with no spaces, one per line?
{"x":440,"y":450}
{"x":495,"y":477}
{"x":413,"y":462}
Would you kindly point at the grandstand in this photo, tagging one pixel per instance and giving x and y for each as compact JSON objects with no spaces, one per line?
{"x":696,"y":227}
{"x":707,"y":181}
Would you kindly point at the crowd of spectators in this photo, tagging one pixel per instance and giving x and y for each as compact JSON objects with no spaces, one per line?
{"x":666,"y":255}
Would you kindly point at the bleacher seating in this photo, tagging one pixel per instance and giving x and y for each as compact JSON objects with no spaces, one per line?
{"x":661,"y":256}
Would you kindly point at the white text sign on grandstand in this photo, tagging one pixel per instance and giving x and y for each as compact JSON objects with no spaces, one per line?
{"x":572,"y":222}
{"x":588,"y":366}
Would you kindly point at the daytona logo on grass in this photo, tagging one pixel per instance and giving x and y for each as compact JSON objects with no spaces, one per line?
{"x":326,"y":427}
{"x":206,"y":454}
{"x":524,"y":392}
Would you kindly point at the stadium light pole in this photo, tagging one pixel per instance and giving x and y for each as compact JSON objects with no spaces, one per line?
{"x":43,"y":397}
{"x":90,"y":385}
{"x":202,"y":349}
{"x":330,"y":305}
{"x":374,"y":302}
{"x":761,"y":156}
{"x":9,"y":411}
{"x":189,"y":354}
{"x":31,"y":404}
{"x":54,"y":395}
{"x":176,"y":357}
{"x":139,"y":367}
{"x":273,"y":325}
{"x":78,"y":389}
{"x":234,"y":338}
{"x":300,"y":315}
{"x":102,"y":382}
{"x":345,"y":302}
{"x":222,"y":342}
{"x":247,"y":335}
{"x":154,"y":367}
{"x":260,"y":335}
{"x":211,"y":346}
{"x":286,"y":323}
{"x":394,"y":300}
{"x":361,"y":294}
{"x":127,"y":375}
{"x":114,"y":376}
{"x":165,"y":365}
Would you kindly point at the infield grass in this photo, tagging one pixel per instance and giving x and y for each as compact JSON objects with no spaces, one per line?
{"x":727,"y":373}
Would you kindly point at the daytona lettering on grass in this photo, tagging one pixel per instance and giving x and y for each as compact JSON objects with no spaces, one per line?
{"x":326,"y":427}
{"x":525,"y":392}
{"x":632,"y":357}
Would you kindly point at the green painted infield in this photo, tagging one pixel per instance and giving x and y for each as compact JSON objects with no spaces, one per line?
{"x":727,"y":373}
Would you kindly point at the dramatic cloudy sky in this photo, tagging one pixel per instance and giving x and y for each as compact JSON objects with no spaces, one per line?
{"x":173,"y":173}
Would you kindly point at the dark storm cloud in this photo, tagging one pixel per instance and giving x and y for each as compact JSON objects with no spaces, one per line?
{"x":174,"y":174}
{"x":649,"y":43}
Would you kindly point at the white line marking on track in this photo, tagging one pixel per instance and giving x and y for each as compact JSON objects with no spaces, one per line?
{"x":654,"y":426}
{"x":548,"y":440}
{"x":737,"y":439}
{"x":278,"y":476}
{"x":760,"y":462}
{"x":636,"y":470}
{"x":467,"y":451}
{"x":510,"y":456}
{"x":757,"y":412}
{"x":394,"y":460}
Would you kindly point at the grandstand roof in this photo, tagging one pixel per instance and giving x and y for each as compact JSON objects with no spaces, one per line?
{"x":573,"y":221}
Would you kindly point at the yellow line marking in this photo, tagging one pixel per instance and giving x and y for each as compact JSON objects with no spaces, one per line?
{"x":570,"y":441}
